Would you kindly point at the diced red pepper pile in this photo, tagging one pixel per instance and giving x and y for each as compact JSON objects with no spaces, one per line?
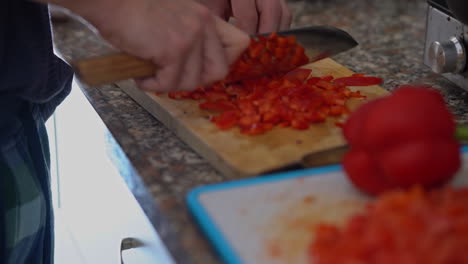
{"x":268,"y":56}
{"x":359,"y":80}
{"x":257,"y":104}
{"x":404,"y":227}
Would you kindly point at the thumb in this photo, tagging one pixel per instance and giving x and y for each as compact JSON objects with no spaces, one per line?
{"x":234,"y":40}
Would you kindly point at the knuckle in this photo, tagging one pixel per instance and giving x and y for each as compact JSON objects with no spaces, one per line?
{"x":166,"y":82}
{"x":198,"y":25}
{"x":288,"y":16}
{"x":149,"y":87}
{"x":180,"y":44}
{"x":189,"y":83}
{"x":251,"y":20}
{"x":244,"y":40}
{"x":196,"y":32}
{"x":185,"y":41}
{"x":185,"y":44}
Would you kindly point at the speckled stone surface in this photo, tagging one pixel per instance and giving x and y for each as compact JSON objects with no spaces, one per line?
{"x":160,"y":169}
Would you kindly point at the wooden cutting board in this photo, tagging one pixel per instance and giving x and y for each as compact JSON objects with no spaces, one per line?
{"x":240,"y":155}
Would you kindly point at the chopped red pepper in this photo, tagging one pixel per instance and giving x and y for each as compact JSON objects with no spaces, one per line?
{"x":216,"y":96}
{"x":218,"y":106}
{"x":359,"y":80}
{"x":298,"y":75}
{"x":404,"y":139}
{"x":285,"y":96}
{"x":399,"y":227}
{"x":226,"y":120}
{"x":267,"y":57}
{"x":289,"y":100}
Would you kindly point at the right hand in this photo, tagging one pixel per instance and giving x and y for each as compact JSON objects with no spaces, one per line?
{"x":190,"y":46}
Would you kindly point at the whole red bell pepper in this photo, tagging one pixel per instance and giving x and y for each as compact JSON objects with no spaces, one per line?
{"x":401,"y":140}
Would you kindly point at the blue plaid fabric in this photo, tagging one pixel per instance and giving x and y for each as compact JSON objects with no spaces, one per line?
{"x":26,"y":219}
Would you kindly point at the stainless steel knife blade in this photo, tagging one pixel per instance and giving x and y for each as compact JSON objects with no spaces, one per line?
{"x":321,"y":41}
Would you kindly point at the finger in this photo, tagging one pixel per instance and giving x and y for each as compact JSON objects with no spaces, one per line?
{"x":166,"y":79}
{"x":270,"y":15}
{"x":215,"y":66}
{"x":218,"y":7}
{"x":228,"y":11}
{"x":191,"y":74}
{"x":286,"y":16}
{"x":234,"y":41}
{"x":245,"y":12}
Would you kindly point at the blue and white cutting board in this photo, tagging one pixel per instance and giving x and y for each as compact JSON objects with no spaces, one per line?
{"x":269,"y":220}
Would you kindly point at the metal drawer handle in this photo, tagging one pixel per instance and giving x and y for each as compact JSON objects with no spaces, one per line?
{"x":129,"y":243}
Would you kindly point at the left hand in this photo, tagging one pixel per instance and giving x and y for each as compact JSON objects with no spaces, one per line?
{"x":253,"y":16}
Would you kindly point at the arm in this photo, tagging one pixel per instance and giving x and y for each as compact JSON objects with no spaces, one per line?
{"x":190,"y":46}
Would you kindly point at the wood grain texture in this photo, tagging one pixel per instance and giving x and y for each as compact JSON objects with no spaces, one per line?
{"x":112,"y":68}
{"x":240,"y":155}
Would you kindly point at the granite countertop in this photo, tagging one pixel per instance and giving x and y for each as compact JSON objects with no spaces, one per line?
{"x":161,"y":169}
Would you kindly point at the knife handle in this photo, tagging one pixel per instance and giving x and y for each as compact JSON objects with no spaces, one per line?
{"x":111,"y":68}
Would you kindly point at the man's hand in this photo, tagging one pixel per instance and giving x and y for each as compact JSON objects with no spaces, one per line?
{"x":190,"y":46}
{"x":253,"y":16}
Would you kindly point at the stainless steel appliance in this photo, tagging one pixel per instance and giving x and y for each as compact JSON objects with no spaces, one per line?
{"x":446,"y":45}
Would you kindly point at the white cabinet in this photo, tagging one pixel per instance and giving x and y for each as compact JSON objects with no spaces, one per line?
{"x":93,"y":201}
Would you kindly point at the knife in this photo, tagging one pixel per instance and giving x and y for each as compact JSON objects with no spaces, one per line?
{"x":319,"y":42}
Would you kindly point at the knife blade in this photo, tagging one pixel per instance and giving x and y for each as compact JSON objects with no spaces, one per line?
{"x":319,"y":42}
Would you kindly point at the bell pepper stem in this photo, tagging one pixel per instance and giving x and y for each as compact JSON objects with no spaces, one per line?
{"x":461,"y":133}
